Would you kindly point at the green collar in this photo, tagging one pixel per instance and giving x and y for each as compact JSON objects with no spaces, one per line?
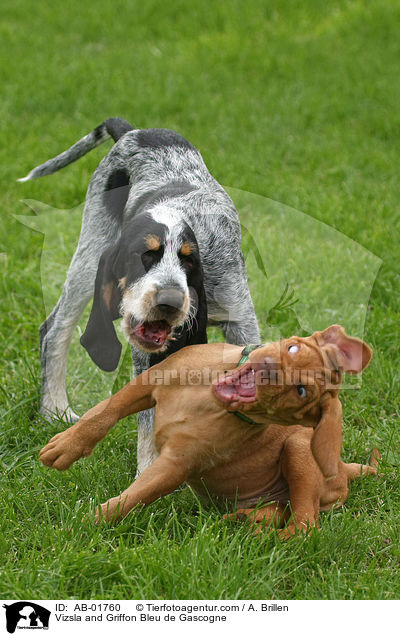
{"x":244,"y":358}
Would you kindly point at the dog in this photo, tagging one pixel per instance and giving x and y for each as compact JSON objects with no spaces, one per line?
{"x":260,"y":436}
{"x":159,"y":246}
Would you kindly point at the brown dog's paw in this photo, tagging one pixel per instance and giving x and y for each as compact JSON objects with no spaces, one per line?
{"x":287,"y":533}
{"x":112,"y":510}
{"x":302,"y":529}
{"x":64,"y":449}
{"x":262,"y":520}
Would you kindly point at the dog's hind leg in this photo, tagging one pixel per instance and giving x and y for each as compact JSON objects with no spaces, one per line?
{"x":353,"y":471}
{"x":262,"y":518}
{"x":165,"y":474}
{"x":101,"y":227}
{"x":56,"y":332}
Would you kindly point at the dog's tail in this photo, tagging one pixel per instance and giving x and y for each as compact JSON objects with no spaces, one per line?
{"x":114,"y":127}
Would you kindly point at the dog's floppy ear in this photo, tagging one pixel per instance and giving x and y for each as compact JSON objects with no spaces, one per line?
{"x":198,"y":331}
{"x":100,"y":339}
{"x":194,"y":330}
{"x":326,"y":442}
{"x":344,"y":353}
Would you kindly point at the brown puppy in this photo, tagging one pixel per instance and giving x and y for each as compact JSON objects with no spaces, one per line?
{"x":266,"y":433}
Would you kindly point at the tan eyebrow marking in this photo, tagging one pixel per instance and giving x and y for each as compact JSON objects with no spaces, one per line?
{"x":187,"y":248}
{"x":153,"y":242}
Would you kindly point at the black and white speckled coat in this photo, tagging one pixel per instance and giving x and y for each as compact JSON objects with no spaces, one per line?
{"x":159,"y":246}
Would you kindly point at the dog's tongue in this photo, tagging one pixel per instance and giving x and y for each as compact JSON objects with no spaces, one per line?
{"x":243,"y":387}
{"x":155,"y":332}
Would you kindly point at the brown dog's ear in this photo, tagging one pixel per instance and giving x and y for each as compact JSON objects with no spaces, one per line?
{"x":348,"y":354}
{"x":100,"y":339}
{"x":326,"y":442}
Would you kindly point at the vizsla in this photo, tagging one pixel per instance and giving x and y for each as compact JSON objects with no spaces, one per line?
{"x":264,"y":434}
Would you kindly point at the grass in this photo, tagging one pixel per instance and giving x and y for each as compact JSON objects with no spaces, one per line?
{"x":295,"y":103}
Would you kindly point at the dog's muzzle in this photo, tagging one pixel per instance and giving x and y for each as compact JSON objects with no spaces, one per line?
{"x":167,"y":309}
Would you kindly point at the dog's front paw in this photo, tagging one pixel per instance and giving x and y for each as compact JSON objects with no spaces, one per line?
{"x":112,"y":510}
{"x":65,"y":448}
{"x":297,"y":529}
{"x":285,"y":534}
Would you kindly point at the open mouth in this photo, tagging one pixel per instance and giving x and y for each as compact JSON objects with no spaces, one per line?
{"x":237,"y":388}
{"x":152,"y":335}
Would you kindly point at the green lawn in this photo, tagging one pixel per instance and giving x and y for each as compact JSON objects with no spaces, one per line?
{"x":295,"y":108}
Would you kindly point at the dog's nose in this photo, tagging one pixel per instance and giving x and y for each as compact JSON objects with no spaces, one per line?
{"x":169,"y":300}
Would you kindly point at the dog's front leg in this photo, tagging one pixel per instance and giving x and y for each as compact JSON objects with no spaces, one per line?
{"x":146,"y":451}
{"x":165,"y":474}
{"x":305,"y":484}
{"x":80,"y":439}
{"x":240,"y":327}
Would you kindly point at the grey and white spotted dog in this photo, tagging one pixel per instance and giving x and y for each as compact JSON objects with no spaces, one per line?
{"x":159,"y":246}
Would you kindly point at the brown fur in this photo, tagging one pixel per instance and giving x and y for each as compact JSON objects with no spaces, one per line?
{"x":153,"y":242}
{"x":187,"y":249}
{"x":289,"y":455}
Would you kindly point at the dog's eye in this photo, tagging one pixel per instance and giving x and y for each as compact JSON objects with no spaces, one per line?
{"x":151,"y":257}
{"x":293,"y":348}
{"x":301,"y":390}
{"x":186,"y":260}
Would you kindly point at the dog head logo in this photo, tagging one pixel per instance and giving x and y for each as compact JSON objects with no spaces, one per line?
{"x":26,"y":615}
